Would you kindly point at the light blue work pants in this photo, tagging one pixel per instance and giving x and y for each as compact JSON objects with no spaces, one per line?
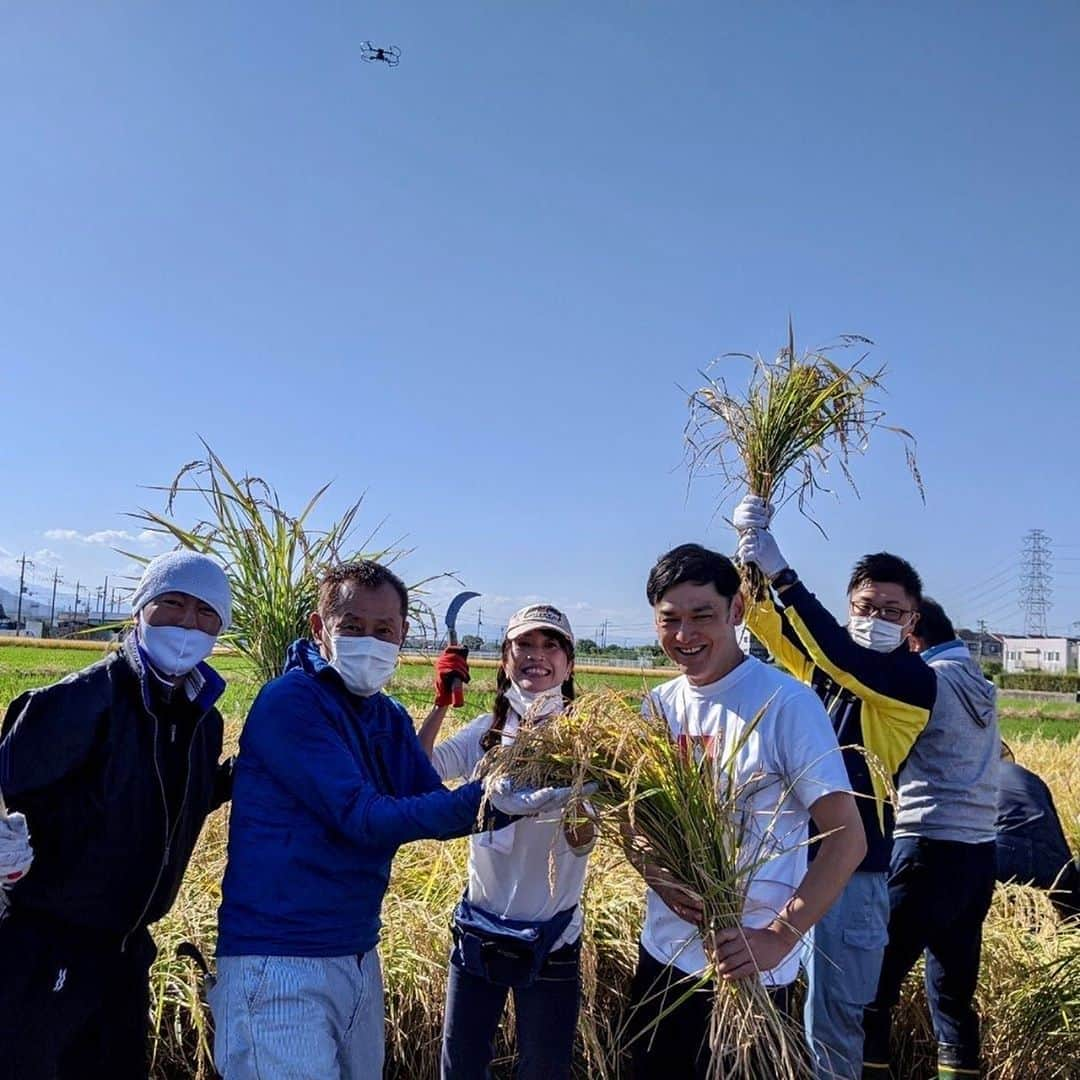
{"x":843,"y":962}
{"x":298,"y":1017}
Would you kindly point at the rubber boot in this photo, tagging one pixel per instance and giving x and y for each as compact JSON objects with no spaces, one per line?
{"x":957,"y":1062}
{"x":877,"y":1029}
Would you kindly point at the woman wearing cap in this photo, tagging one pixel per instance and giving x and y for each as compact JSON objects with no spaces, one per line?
{"x":110,"y":774}
{"x":518,"y":926}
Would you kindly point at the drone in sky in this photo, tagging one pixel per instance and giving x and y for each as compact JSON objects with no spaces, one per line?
{"x":388,"y":54}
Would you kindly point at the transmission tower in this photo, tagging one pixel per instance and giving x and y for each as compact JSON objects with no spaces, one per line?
{"x":1035,"y":577}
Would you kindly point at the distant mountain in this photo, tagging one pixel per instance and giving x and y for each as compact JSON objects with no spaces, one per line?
{"x":34,"y":607}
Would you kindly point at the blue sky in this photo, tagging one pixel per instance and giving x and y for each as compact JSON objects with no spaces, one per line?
{"x":472,"y":286}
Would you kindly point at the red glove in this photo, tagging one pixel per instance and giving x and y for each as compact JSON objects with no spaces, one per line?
{"x":451,"y":670}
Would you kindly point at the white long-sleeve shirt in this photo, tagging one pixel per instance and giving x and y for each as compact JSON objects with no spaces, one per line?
{"x":510,"y":871}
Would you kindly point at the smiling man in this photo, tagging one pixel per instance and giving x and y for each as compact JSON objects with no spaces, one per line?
{"x":330,"y":781}
{"x":879,"y":695}
{"x":112,"y":772}
{"x":797,"y":774}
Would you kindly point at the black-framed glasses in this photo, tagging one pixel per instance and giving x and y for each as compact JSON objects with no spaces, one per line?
{"x":889,"y":613}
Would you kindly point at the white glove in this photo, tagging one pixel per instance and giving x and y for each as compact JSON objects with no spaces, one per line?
{"x":16,"y":854}
{"x":757,"y":547}
{"x":752,"y":513}
{"x":529,"y":802}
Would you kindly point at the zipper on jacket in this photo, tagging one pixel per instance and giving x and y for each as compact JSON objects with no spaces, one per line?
{"x":165,"y":811}
{"x":170,"y":832}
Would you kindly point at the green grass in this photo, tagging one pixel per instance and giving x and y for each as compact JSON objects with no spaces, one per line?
{"x":23,"y":667}
{"x":1020,"y":717}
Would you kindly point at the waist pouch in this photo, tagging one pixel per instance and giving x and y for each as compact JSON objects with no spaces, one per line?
{"x":506,"y":952}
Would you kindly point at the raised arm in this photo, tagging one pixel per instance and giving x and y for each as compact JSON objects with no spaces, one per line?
{"x":451,"y":669}
{"x":770,"y":626}
{"x":430,"y":728}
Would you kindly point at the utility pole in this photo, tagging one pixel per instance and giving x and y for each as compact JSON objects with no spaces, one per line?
{"x":479,"y":615}
{"x":104,"y":593}
{"x":22,"y":589}
{"x":75,"y":622}
{"x":1035,"y":581}
{"x":603,"y":637}
{"x":982,"y":635}
{"x":52,"y":609}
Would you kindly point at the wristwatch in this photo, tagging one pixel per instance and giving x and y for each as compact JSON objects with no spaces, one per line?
{"x":786,"y":577}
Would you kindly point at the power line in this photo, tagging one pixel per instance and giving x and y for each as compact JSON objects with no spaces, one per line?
{"x":987,"y":597}
{"x":1007,"y":572}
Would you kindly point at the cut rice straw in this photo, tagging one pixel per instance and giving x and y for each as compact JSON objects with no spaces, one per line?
{"x":684,"y":807}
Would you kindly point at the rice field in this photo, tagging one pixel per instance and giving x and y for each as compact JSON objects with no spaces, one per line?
{"x":1029,"y":988}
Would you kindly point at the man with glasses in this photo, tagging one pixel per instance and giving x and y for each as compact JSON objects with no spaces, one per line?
{"x":879,"y":695}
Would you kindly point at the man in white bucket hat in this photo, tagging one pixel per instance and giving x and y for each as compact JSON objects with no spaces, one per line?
{"x":110,"y":774}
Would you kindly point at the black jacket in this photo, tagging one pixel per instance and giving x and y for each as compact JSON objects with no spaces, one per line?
{"x":878,"y":701}
{"x":88,"y":761}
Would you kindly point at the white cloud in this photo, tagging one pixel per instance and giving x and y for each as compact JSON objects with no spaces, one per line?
{"x":147,"y":537}
{"x":107,"y":536}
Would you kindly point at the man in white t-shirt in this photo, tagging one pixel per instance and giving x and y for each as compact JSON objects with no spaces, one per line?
{"x":794,"y":774}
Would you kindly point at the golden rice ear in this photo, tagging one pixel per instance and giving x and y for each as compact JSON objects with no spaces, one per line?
{"x":796,"y":417}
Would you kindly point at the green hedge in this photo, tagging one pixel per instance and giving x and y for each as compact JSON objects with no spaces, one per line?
{"x":1039,"y":680}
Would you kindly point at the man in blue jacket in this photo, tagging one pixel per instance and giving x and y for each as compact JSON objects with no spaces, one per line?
{"x":330,"y":781}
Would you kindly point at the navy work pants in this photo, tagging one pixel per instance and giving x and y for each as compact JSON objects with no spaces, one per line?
{"x":676,"y":1046}
{"x":72,"y":1004}
{"x":546,"y":1014}
{"x":939,"y":894}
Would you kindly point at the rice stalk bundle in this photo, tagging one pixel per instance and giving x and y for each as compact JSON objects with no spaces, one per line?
{"x":681,"y":807}
{"x":797,"y":415}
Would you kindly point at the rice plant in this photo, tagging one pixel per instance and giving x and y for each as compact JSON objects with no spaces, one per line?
{"x":683,"y":809}
{"x":797,"y":416}
{"x":273,"y":558}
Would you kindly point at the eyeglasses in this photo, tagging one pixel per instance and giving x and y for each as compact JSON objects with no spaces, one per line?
{"x":888,"y":613}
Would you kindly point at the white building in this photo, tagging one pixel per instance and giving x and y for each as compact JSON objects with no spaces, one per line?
{"x":1054,"y":654}
{"x":30,"y":628}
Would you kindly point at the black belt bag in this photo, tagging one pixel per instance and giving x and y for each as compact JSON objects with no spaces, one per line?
{"x":506,"y":952}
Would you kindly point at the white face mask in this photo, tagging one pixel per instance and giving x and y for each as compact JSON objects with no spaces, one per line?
{"x":873,"y":633}
{"x":174,"y":650}
{"x":365,"y":664}
{"x":535,"y":706}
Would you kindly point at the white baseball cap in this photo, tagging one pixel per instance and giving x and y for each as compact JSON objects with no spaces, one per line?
{"x":539,"y":617}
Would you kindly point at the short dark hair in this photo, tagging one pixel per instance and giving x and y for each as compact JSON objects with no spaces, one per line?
{"x":934,"y":626}
{"x":364,"y":574}
{"x":692,"y":562}
{"x":891,"y":569}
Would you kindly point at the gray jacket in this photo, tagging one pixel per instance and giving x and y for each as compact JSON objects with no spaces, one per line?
{"x":948,"y":785}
